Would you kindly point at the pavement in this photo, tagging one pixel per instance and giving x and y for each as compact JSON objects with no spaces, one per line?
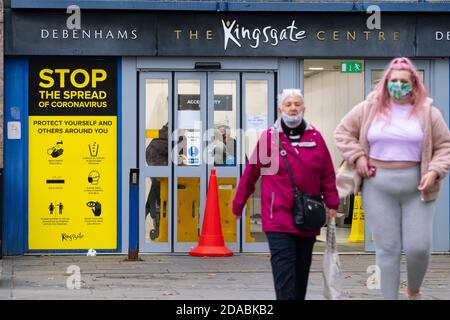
{"x":182,"y":277}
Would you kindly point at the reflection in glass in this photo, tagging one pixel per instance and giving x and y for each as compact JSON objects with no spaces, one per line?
{"x":256,"y":107}
{"x":189,"y":123}
{"x":224,"y":140}
{"x":156,"y":210}
{"x":188,"y":215}
{"x":156,"y":124}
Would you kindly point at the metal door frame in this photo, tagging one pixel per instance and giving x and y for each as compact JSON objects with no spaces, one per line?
{"x":153,"y":171}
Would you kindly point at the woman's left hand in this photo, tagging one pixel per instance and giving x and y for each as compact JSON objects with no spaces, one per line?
{"x":428,"y":180}
{"x":331,"y":214}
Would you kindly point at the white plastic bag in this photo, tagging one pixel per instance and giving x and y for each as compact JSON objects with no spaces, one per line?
{"x":332,"y":274}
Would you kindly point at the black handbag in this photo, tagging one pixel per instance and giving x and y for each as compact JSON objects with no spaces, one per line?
{"x":308,"y":210}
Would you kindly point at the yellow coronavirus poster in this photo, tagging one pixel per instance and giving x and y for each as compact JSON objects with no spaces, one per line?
{"x":72,"y":155}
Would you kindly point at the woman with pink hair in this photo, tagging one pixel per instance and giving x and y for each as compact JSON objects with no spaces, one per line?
{"x":400,"y":145}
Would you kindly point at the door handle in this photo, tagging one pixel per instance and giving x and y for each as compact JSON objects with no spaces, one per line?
{"x":193,"y":209}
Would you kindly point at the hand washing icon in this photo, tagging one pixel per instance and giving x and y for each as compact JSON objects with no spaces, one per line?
{"x":93,"y":149}
{"x":56,"y":151}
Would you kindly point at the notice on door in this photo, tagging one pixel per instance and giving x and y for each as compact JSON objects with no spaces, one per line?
{"x":72,"y":180}
{"x":193,"y":146}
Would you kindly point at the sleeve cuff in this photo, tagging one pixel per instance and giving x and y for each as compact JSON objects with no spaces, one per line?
{"x":356,"y":156}
{"x":440,"y":176}
{"x":237,"y":209}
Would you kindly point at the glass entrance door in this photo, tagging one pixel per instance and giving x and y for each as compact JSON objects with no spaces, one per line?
{"x":259,"y":113}
{"x":223,"y":143}
{"x":155,"y":162}
{"x":194,"y":122}
{"x":189,"y":189}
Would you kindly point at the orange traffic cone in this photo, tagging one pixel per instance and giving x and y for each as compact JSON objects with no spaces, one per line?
{"x":211,"y":243}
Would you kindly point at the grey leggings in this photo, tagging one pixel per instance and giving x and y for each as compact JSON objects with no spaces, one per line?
{"x":397,"y":216}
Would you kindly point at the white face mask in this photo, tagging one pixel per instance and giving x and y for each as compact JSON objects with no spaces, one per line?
{"x":292,"y":121}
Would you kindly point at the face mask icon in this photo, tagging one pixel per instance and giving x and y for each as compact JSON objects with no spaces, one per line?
{"x":93,"y":177}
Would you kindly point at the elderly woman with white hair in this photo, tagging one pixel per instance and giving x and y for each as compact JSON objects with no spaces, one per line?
{"x":313,"y":173}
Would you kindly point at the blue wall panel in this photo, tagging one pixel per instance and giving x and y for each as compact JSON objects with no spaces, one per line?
{"x":15,"y":194}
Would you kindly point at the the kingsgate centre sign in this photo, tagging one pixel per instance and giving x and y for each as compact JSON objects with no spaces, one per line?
{"x":232,"y":31}
{"x":141,"y":33}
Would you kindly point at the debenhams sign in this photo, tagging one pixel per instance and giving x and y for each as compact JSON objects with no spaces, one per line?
{"x":89,"y":34}
{"x":224,"y":34}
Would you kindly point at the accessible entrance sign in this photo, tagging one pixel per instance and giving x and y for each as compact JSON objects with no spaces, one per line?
{"x":72,"y":154}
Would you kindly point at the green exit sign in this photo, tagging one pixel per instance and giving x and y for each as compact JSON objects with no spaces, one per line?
{"x":350,"y":67}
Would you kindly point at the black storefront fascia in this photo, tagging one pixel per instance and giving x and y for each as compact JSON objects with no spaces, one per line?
{"x":217,"y":34}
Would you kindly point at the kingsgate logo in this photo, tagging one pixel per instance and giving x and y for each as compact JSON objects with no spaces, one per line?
{"x":232,"y":31}
{"x":70,"y":237}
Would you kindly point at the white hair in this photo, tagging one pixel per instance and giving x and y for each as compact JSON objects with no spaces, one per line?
{"x":286,"y":93}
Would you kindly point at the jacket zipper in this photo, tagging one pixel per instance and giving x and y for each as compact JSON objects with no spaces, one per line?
{"x":271,"y":205}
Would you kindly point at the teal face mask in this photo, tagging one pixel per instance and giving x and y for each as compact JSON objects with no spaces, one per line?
{"x":399,"y":90}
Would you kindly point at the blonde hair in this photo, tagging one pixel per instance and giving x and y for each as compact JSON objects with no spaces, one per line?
{"x":286,"y":93}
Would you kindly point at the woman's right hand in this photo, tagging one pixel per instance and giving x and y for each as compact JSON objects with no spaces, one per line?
{"x":362,"y":167}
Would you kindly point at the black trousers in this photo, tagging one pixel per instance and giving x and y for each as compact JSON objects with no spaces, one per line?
{"x":291,"y":260}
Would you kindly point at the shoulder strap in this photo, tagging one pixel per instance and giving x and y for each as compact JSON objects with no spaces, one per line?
{"x":284,"y":155}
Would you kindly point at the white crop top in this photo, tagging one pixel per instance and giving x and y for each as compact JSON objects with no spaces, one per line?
{"x":398,"y":140}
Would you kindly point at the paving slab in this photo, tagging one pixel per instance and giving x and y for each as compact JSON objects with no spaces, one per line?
{"x":182,"y":277}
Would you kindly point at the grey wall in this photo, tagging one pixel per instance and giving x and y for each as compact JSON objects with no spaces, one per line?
{"x":290,"y":73}
{"x":129,"y":116}
{"x":440,"y":93}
